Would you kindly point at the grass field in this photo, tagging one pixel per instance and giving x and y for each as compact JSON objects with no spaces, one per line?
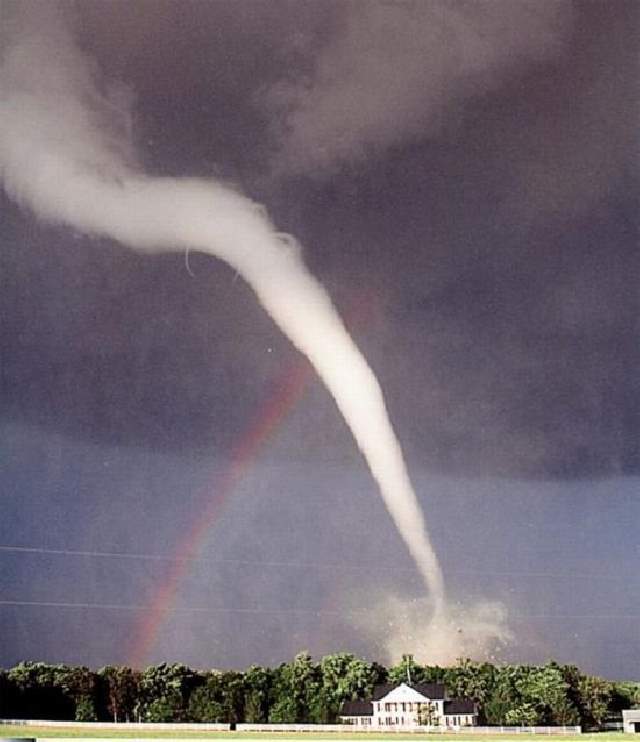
{"x":103,"y":732}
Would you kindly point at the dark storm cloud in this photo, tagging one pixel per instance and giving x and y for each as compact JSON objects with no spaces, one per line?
{"x":499,"y":241}
{"x":507,"y":245}
{"x":204,"y":66}
{"x":503,"y":245}
{"x":103,"y":343}
{"x":391,"y":71}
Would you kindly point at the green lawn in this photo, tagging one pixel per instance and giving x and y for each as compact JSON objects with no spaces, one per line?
{"x":104,"y":732}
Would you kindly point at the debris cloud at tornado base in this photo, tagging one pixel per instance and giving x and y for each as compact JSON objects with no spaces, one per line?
{"x":64,"y":154}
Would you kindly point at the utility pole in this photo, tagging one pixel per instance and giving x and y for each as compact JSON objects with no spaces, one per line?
{"x":408,"y":661}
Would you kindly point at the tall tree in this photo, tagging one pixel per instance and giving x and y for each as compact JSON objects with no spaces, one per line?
{"x":257,"y":689}
{"x":470,"y":679}
{"x":595,"y":695}
{"x":8,"y":696}
{"x":79,"y":684}
{"x":164,"y":692}
{"x":302,"y":691}
{"x":296,"y":685}
{"x":232,"y":683}
{"x":120,"y":687}
{"x":219,"y":699}
{"x":624,"y":695}
{"x":38,"y":694}
{"x":343,"y":677}
{"x":206,"y":701}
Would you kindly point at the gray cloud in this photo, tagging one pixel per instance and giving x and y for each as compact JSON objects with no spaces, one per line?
{"x":501,"y":252}
{"x":392,"y":70}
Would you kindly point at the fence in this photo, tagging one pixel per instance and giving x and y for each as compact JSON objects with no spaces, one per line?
{"x":274,"y":728}
{"x":128,"y":726}
{"x":518,"y":730}
{"x":564,"y":730}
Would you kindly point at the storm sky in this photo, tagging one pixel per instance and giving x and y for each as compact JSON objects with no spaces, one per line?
{"x":463,"y":179}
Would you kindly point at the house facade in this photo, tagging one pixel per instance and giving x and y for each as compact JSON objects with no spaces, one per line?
{"x":410,"y":706}
{"x":631,"y":721}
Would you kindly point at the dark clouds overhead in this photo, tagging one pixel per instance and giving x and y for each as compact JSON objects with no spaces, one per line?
{"x":491,"y":211}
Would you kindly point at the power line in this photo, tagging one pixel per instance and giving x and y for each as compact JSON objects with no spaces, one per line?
{"x":572,"y":617}
{"x":135,"y":607}
{"x":288,"y":611}
{"x":297,"y":565}
{"x":203,"y":560}
{"x":99,"y":554}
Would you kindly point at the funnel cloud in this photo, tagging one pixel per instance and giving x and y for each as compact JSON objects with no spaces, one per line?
{"x":56,"y":161}
{"x":463,"y":176}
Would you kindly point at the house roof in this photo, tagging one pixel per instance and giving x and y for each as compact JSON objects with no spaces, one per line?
{"x":459,"y":706}
{"x":356,"y":708}
{"x":403,"y":692}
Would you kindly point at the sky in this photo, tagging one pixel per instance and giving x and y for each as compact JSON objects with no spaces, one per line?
{"x":178,"y":485}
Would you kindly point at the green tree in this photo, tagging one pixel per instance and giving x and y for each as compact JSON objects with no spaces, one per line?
{"x":8,"y":696}
{"x":232,"y":695}
{"x":205,"y":706}
{"x":406,"y":669}
{"x":164,"y":692}
{"x":624,"y":695}
{"x":257,"y":689}
{"x":524,"y":714}
{"x":120,"y":686}
{"x":219,"y":699}
{"x":595,"y":696}
{"x":497,"y":705}
{"x":304,"y":691}
{"x":79,"y":684}
{"x":546,"y":690}
{"x":505,"y":699}
{"x":295,"y":689}
{"x":166,"y":708}
{"x":85,"y":709}
{"x":38,"y":694}
{"x":343,"y":677}
{"x":418,"y":673}
{"x":468,"y":679}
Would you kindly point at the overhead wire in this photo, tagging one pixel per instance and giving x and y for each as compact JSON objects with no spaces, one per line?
{"x":348,"y":565}
{"x":284,"y":611}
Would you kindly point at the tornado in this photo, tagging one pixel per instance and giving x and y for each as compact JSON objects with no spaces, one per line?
{"x":64,"y":155}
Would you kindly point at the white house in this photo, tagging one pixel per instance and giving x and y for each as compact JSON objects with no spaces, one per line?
{"x":411,"y":706}
{"x":631,"y":720}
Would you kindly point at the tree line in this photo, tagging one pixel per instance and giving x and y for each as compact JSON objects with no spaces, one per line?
{"x":303,"y":691}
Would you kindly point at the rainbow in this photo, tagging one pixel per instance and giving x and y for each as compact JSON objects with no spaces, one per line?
{"x":288,"y":391}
